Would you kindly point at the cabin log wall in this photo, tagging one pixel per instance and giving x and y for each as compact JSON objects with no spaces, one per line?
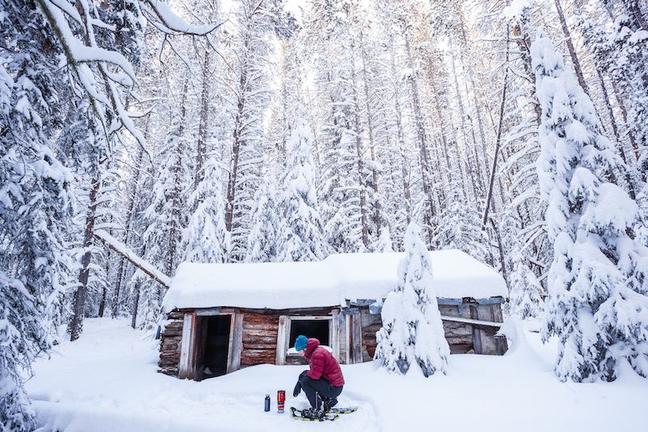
{"x":170,"y":341}
{"x":259,"y":339}
{"x":255,"y":333}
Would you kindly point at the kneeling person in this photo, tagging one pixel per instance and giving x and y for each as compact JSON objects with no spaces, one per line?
{"x":324,"y":377}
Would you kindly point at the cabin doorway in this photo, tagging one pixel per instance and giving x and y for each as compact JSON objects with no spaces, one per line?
{"x":213,"y":351}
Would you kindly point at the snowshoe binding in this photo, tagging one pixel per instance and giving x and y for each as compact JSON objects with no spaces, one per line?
{"x":311,"y":414}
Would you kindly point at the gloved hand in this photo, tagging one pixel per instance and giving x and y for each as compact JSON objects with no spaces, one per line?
{"x":298,"y":387}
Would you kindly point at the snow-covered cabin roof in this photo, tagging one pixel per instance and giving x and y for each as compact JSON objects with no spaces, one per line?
{"x":330,"y":282}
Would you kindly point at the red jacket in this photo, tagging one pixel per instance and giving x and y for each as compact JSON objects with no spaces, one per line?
{"x":322,"y":364}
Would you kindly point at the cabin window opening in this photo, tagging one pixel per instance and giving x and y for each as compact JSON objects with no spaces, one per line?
{"x":311,"y":329}
{"x":212,"y":359}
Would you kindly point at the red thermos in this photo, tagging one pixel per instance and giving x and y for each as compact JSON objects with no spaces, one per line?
{"x":281,"y":400}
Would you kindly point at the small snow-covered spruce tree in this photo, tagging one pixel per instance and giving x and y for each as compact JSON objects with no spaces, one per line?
{"x":526,"y":290}
{"x":412,"y":332}
{"x":263,"y":239}
{"x":598,"y":279}
{"x":206,"y":239}
{"x":300,"y":237}
{"x":384,"y":242}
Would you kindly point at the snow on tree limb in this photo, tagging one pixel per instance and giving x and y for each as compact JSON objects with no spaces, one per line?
{"x":131,"y":256}
{"x":174,"y":24}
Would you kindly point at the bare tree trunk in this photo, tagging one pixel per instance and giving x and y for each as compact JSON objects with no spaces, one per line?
{"x":175,"y":224}
{"x":471,"y":80}
{"x":360,"y":162}
{"x":423,"y":152}
{"x":499,"y":136}
{"x":137,"y":289}
{"x":102,"y":303}
{"x":130,"y":214}
{"x":571,"y":49}
{"x":372,"y":152}
{"x":613,"y":123}
{"x":407,"y":193}
{"x":624,"y":114}
{"x":76,"y":323}
{"x":203,"y":124}
{"x":236,"y":149}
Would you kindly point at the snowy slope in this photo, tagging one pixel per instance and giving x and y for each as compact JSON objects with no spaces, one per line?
{"x":323,"y":283}
{"x":106,"y":381}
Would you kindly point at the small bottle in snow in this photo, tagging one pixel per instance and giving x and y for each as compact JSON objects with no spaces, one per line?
{"x":281,"y":400}
{"x":266,"y":406}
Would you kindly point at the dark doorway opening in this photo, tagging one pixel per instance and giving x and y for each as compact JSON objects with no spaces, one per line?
{"x":215,"y":336}
{"x":311,"y":329}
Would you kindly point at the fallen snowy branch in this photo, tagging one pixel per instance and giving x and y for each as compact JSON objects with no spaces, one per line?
{"x":131,"y":256}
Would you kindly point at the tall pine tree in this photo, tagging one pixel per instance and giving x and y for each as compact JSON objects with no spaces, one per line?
{"x":598,"y":280}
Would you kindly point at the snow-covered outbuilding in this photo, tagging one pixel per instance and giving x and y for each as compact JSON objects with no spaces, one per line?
{"x":222,"y":317}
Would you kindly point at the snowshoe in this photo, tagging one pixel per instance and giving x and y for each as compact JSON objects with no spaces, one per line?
{"x":310,"y":414}
{"x":343,"y":410}
{"x":329,"y":403}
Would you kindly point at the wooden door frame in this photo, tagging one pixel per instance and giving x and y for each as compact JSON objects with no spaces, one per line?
{"x":189,"y":344}
{"x":283,"y":333}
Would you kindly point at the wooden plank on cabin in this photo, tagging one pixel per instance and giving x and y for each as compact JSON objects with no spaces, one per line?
{"x":347,"y":339}
{"x":356,"y":338}
{"x":474,"y":315}
{"x":333,"y":331}
{"x":237,"y":342}
{"x":342,"y":336}
{"x":314,"y":317}
{"x":496,"y":311}
{"x":185,"y":350}
{"x":283,"y":333}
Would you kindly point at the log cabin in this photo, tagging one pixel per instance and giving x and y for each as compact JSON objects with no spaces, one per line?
{"x":223,"y":317}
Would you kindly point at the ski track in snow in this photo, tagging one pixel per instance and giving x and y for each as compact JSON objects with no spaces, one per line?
{"x":107,"y":381}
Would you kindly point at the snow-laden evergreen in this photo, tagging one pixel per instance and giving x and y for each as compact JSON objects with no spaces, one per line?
{"x":412,"y":335}
{"x":458,"y":225}
{"x":206,"y":239}
{"x":300,"y":230}
{"x":251,"y":93}
{"x":525,"y":289}
{"x":263,"y":241}
{"x":35,"y":203}
{"x":598,"y":279}
{"x":384,"y":242}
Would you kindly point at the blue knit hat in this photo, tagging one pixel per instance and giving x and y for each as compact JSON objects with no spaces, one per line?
{"x":300,"y":342}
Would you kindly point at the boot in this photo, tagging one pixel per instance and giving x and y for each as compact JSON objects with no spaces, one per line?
{"x":329,"y":403}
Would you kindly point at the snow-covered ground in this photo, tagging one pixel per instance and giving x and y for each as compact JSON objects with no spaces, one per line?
{"x":107,"y":381}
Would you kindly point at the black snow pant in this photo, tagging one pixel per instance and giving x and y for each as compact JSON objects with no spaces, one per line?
{"x":321,"y":386}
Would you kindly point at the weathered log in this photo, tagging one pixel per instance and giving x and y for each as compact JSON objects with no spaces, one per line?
{"x":261,"y":327}
{"x":257,"y":356}
{"x":175,"y":324}
{"x":260,"y":346}
{"x":263,"y":339}
{"x":255,"y":332}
